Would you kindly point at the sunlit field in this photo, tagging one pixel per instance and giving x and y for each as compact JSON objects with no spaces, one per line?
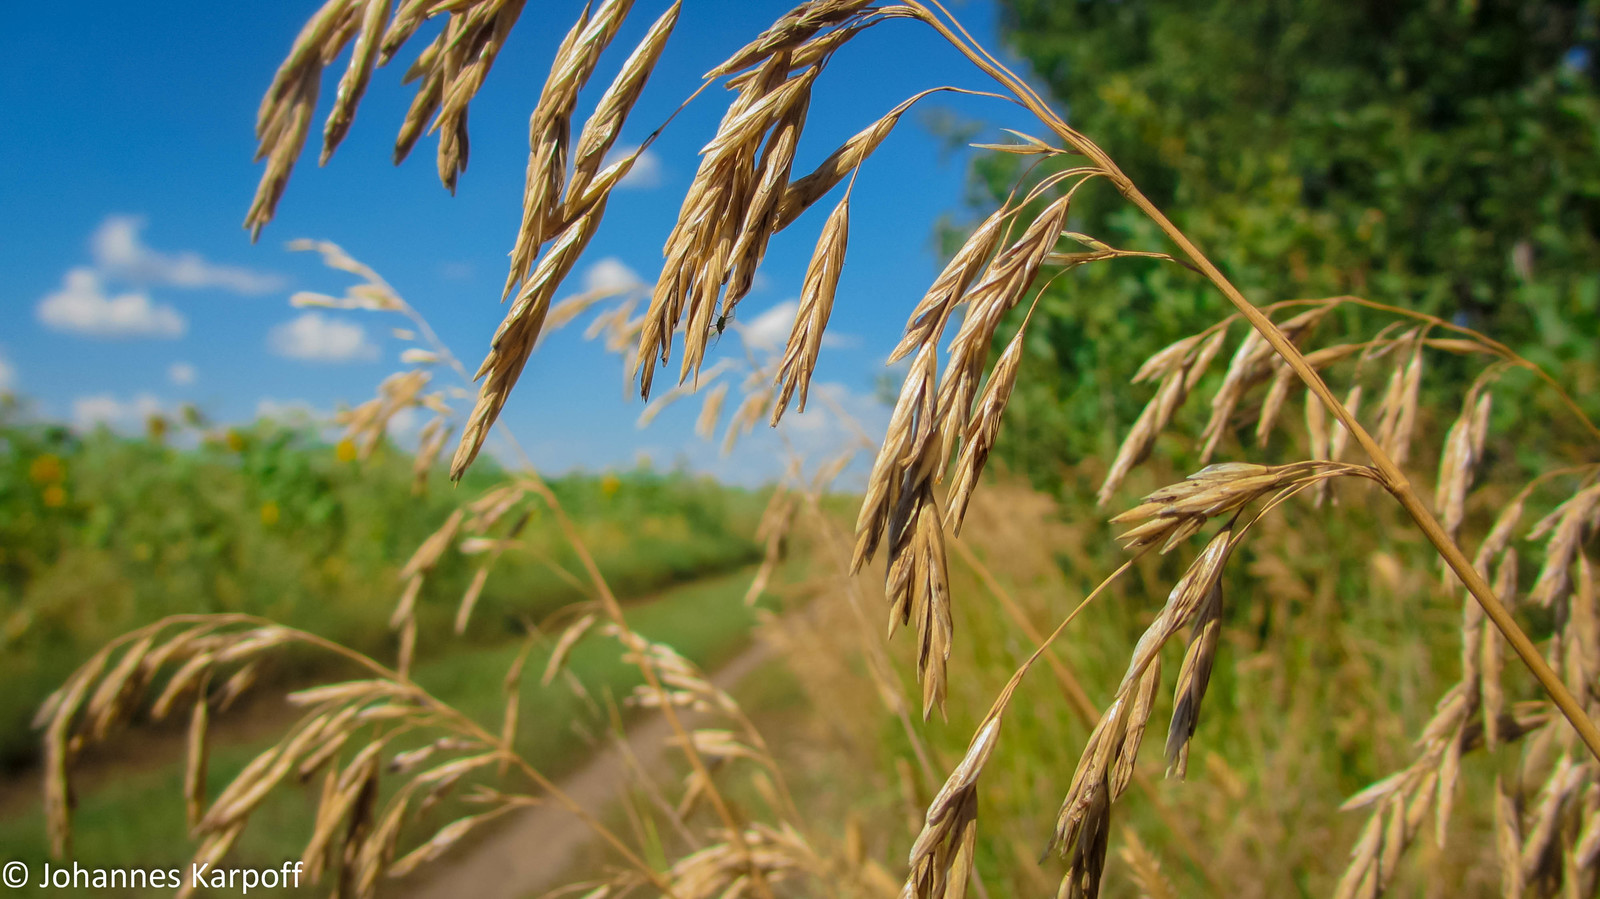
{"x":1011,"y":448}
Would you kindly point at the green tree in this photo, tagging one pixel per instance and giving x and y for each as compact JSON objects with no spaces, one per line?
{"x":1443,"y":156}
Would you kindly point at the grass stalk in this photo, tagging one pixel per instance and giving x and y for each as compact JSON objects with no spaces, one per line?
{"x":1394,"y":480}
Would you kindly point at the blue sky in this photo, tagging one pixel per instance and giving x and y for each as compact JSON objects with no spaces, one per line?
{"x":130,"y":286}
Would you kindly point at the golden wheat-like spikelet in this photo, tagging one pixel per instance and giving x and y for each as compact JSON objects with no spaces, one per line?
{"x":190,"y":651}
{"x":941,"y":859}
{"x":518,"y":333}
{"x":790,"y":30}
{"x":600,"y":132}
{"x":984,"y":429}
{"x":816,"y":304}
{"x":1180,"y":510}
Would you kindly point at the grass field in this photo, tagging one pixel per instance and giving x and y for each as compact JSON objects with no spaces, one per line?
{"x":102,"y":533}
{"x":135,"y":818}
{"x":1327,"y":667}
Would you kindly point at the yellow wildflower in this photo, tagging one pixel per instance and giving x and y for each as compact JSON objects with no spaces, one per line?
{"x":46,"y":468}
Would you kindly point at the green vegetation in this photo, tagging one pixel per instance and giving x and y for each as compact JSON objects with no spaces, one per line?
{"x":1444,"y":157}
{"x":102,"y":533}
{"x":136,"y":819}
{"x":1337,"y":643}
{"x":1439,"y":158}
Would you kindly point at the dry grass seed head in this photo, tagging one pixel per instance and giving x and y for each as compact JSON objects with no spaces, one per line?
{"x":1005,"y":282}
{"x":452,"y":69}
{"x":1253,"y":362}
{"x":564,"y":644}
{"x":1491,"y":653}
{"x":760,"y":216}
{"x":600,"y":132}
{"x":705,"y":425}
{"x":1542,"y":836}
{"x":1135,"y":448}
{"x":194,"y":774}
{"x":1178,"y":511}
{"x":791,"y":30}
{"x":1145,"y":868}
{"x":658,"y":405}
{"x":354,"y":82}
{"x":1085,"y":812}
{"x":430,"y":444}
{"x":481,"y":34}
{"x":1341,"y":435}
{"x":772,"y":532}
{"x":1565,"y":530}
{"x":727,"y":247}
{"x":1277,"y":393}
{"x":1193,"y":677}
{"x":549,"y":130}
{"x":430,"y":92}
{"x":368,"y":424}
{"x":1582,"y":634}
{"x":801,"y":194}
{"x":518,"y":332}
{"x":1106,"y":766}
{"x":928,"y":319}
{"x":1397,"y":412}
{"x":816,"y":304}
{"x":694,"y":268}
{"x":284,"y":118}
{"x":118,"y":690}
{"x":1179,"y":366}
{"x":911,"y":425}
{"x":745,"y":418}
{"x":441,"y":842}
{"x":984,"y":429}
{"x":940,"y":861}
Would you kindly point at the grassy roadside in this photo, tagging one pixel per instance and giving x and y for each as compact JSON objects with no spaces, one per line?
{"x":137,"y":820}
{"x":100,"y":534}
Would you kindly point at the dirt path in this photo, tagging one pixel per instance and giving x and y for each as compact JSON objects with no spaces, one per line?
{"x":527,"y":853}
{"x":148,"y":748}
{"x":258,"y":716}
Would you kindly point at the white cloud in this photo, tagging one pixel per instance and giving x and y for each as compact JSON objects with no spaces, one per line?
{"x":314,"y":337}
{"x":87,"y":305}
{"x":119,"y":252}
{"x":181,"y":373}
{"x":290,"y":411}
{"x":646,"y":171}
{"x":457,"y":271}
{"x":611,"y":275}
{"x":8,"y":374}
{"x":770,"y":330}
{"x":82,"y":306}
{"x":817,"y":436}
{"x":89,"y":412}
{"x":863,"y":410}
{"x":405,"y":423}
